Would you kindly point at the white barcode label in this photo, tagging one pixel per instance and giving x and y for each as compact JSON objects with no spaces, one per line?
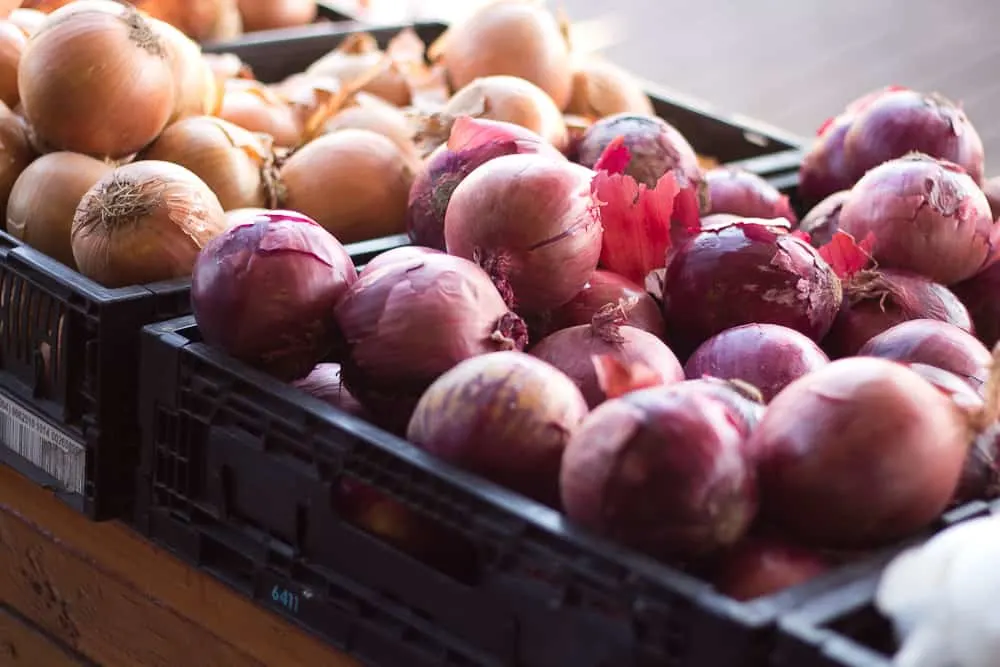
{"x":58,"y":454}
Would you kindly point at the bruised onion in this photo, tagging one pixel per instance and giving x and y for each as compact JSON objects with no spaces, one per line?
{"x":859,"y":453}
{"x":823,"y":220}
{"x":325,"y":384}
{"x":661,"y":470}
{"x":602,"y":89}
{"x":603,"y":288}
{"x":927,"y":216}
{"x":254,"y":107}
{"x":265,"y":291}
{"x":144,"y":222}
{"x":408,"y":322}
{"x":758,"y":567}
{"x":979,"y":295}
{"x":739,"y":192}
{"x":767,"y":356}
{"x":506,"y":416}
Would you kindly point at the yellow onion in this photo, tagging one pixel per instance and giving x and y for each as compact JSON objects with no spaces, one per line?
{"x":197,"y":92}
{"x":44,"y":199}
{"x":310,"y":96}
{"x":602,"y":89}
{"x":13,"y":41}
{"x":96,"y":80}
{"x":368,"y":112}
{"x":355,"y":183}
{"x":227,"y":66}
{"x":356,"y":58}
{"x":201,"y":20}
{"x":236,"y":164}
{"x":253,"y":106}
{"x":144,"y":222}
{"x":16,"y":152}
{"x":273,"y":14}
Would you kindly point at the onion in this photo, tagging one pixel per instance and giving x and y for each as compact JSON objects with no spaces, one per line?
{"x":354,"y":182}
{"x":739,"y":192}
{"x":823,"y":220}
{"x":252,"y":106}
{"x":324,"y":383}
{"x":767,"y":356}
{"x":227,"y":66}
{"x":240,"y":215}
{"x":656,"y":146}
{"x":602,"y":89}
{"x":979,"y":295}
{"x":368,"y":112}
{"x":355,"y":60}
{"x":16,"y":153}
{"x":824,"y":480}
{"x":144,"y":222}
{"x":936,"y":344}
{"x":201,"y":20}
{"x":506,"y":416}
{"x":603,"y":288}
{"x":265,"y":290}
{"x":236,"y":164}
{"x":991,"y":188}
{"x":271,"y":14}
{"x":748,"y":272}
{"x":196,"y":90}
{"x":927,"y":216}
{"x":576,"y":130}
{"x":904,"y":121}
{"x":480,"y":47}
{"x":571,"y":350}
{"x":472,"y":143}
{"x":44,"y":199}
{"x":403,"y":253}
{"x":758,"y":567}
{"x":13,"y":42}
{"x":408,"y":322}
{"x":660,"y":470}
{"x":123,"y":109}
{"x":533,"y":223}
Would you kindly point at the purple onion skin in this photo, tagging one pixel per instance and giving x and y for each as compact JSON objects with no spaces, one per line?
{"x":877,"y":301}
{"x":758,"y":567}
{"x":403,"y":253}
{"x":745,"y":405}
{"x":603,"y":288}
{"x":991,"y":188}
{"x":933,"y":343}
{"x":979,"y":295}
{"x":325,"y":384}
{"x":570,"y":350}
{"x":823,"y":220}
{"x":264,"y":292}
{"x":661,"y":471}
{"x":739,"y":192}
{"x":655,"y":145}
{"x":906,"y":121}
{"x":823,"y":171}
{"x":767,"y":356}
{"x":746,"y":273}
{"x":927,"y":216}
{"x":408,"y":322}
{"x":506,"y":416}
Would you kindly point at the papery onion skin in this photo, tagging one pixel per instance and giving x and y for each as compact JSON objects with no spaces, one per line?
{"x":767,"y":356}
{"x":603,"y":288}
{"x":859,"y":453}
{"x":354,"y":60}
{"x":324,"y":383}
{"x":408,"y":322}
{"x":506,"y":416}
{"x":927,"y":216}
{"x":758,"y":567}
{"x":655,"y":146}
{"x":532,"y":220}
{"x":285,"y":331}
{"x":401,"y":254}
{"x":602,"y":89}
{"x":660,"y":470}
{"x":739,"y":192}
{"x":744,"y":273}
{"x":823,"y":220}
{"x":979,"y":295}
{"x":934,"y":343}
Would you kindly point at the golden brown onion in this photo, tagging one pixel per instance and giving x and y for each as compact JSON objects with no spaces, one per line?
{"x":602,"y":89}
{"x":13,"y":41}
{"x":44,"y":199}
{"x":197,"y":92}
{"x":273,"y":14}
{"x":143,"y":223}
{"x":16,"y":153}
{"x":227,"y":66}
{"x":356,"y":58}
{"x":201,"y":20}
{"x":254,"y":107}
{"x":368,"y":112}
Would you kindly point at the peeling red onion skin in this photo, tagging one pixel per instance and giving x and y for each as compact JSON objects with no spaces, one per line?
{"x":823,"y":220}
{"x":823,"y":480}
{"x":927,"y":217}
{"x":979,"y":295}
{"x":403,"y":253}
{"x":506,"y":416}
{"x":603,"y":288}
{"x":870,"y":315}
{"x":283,"y":332}
{"x":570,"y":351}
{"x":727,"y":277}
{"x":907,"y":121}
{"x":539,"y":214}
{"x":767,"y":356}
{"x":325,"y":384}
{"x":739,"y":192}
{"x":656,"y":147}
{"x":934,"y":343}
{"x":758,"y":567}
{"x":408,"y":322}
{"x":660,"y":471}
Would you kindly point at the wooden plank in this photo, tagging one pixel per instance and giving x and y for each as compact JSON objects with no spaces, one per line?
{"x":23,"y":644}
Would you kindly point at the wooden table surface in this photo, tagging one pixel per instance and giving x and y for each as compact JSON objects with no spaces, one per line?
{"x":78,"y":593}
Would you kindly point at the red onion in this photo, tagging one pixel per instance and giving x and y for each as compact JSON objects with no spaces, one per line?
{"x":532,"y":222}
{"x":473,"y":142}
{"x":605,"y":287}
{"x":656,"y":145}
{"x":408,"y":322}
{"x":936,"y":344}
{"x":324,"y":383}
{"x":403,"y":253}
{"x":661,"y":470}
{"x":743,"y":273}
{"x":759,"y":567}
{"x":506,"y":416}
{"x":570,"y":350}
{"x":766,"y":356}
{"x":991,"y":188}
{"x":264,"y":291}
{"x":742,"y":193}
{"x":858,"y":453}
{"x":823,"y":220}
{"x":979,"y":295}
{"x":927,"y":216}
{"x":905,"y":121}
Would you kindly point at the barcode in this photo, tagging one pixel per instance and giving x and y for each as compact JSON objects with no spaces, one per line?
{"x":59,"y":455}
